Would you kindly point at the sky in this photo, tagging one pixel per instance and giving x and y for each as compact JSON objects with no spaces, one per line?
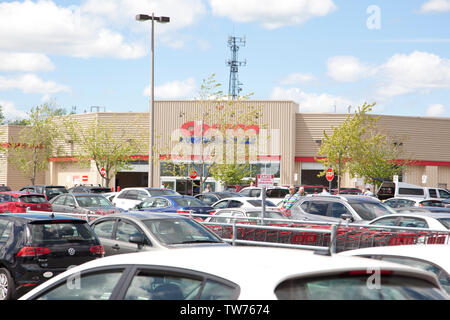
{"x":326,"y":55}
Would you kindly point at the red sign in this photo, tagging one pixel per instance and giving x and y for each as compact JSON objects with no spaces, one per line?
{"x":264,"y":180}
{"x":330,"y":174}
{"x":103,"y":172}
{"x":192,"y":174}
{"x":84,"y":178}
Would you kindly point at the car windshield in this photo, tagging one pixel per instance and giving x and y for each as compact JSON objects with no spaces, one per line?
{"x":358,"y":287}
{"x":55,"y":190}
{"x":162,"y":192}
{"x":189,"y":202}
{"x":257,"y":203}
{"x":32,"y":199}
{"x":86,"y":201}
{"x":445,"y":222}
{"x":370,"y":210}
{"x":60,"y":231}
{"x":179,"y":231}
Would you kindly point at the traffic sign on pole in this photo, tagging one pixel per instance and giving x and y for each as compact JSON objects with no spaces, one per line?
{"x":329,"y":174}
{"x":193,"y":174}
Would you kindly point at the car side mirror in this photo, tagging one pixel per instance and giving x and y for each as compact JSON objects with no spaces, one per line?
{"x":347,"y":216}
{"x":139,"y":240}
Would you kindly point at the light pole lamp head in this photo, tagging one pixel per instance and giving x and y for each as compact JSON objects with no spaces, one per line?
{"x":145,"y":17}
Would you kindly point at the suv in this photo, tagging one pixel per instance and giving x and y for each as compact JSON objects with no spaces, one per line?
{"x":35,"y":247}
{"x":20,"y":201}
{"x":128,"y":198}
{"x":275,"y":194}
{"x":89,"y":189}
{"x":48,"y":191}
{"x":337,"y":208}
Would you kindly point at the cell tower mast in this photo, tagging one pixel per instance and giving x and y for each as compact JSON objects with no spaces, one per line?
{"x":234,"y":86}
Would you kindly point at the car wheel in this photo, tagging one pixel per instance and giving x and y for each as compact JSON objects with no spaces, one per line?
{"x":6,"y":285}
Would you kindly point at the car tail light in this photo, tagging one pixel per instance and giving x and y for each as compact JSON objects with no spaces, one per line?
{"x":99,"y":249}
{"x":33,"y":251}
{"x":183,"y":211}
{"x":212,"y":211}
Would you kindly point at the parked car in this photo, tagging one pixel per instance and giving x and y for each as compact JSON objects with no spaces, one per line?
{"x":424,"y":220}
{"x":175,"y":204}
{"x":236,"y":187}
{"x":354,"y":208}
{"x":241,"y":202}
{"x":230,"y":273}
{"x":20,"y":201}
{"x":399,"y":202}
{"x":212,"y":197}
{"x":432,"y":258}
{"x":48,"y":191}
{"x":354,"y":191}
{"x":139,"y":231}
{"x":83,"y":203}
{"x":35,"y":247}
{"x":4,"y":188}
{"x":423,"y":209}
{"x":243,"y":214}
{"x":128,"y":198}
{"x":389,"y":189}
{"x":110,"y":195}
{"x":275,"y":194}
{"x":89,"y":189}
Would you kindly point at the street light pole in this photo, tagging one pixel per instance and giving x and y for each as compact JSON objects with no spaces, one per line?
{"x":145,"y":17}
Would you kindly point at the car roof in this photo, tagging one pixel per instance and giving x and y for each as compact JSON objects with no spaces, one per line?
{"x":435,"y":215}
{"x":44,"y":185}
{"x":22,"y":193}
{"x":40,"y":216}
{"x":145,"y":215}
{"x":351,"y":198}
{"x":437,"y":253}
{"x":283,"y":264}
{"x":85,"y":194}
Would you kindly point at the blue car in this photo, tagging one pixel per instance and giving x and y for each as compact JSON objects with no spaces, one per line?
{"x":175,"y":204}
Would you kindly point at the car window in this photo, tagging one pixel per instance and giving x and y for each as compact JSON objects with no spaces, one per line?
{"x":389,"y":221}
{"x":155,"y":285}
{"x":60,"y":232}
{"x":318,"y":207}
{"x":411,"y":222}
{"x":391,"y":203}
{"x":104,"y":229}
{"x":221,"y":217}
{"x":432,"y":203}
{"x":235,"y":204}
{"x":86,"y":201}
{"x":32,"y":199}
{"x":130,"y":194}
{"x":245,"y":192}
{"x":370,"y":210}
{"x":255,"y":193}
{"x":5,"y":231}
{"x":444,"y":194}
{"x":445,"y":222}
{"x":5,"y":198}
{"x":209,"y":199}
{"x":338,"y":209}
{"x":188,"y":202}
{"x":405,"y":203}
{"x":433,"y":193}
{"x":163,"y":192}
{"x":221,"y":204}
{"x":141,"y":195}
{"x":355,"y":287}
{"x":304,"y":206}
{"x":87,"y":286}
{"x":59,"y":200}
{"x":126,"y":230}
{"x":258,"y":203}
{"x":70,"y":201}
{"x":161,"y":203}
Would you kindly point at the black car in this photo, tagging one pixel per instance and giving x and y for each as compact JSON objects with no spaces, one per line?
{"x":35,"y":247}
{"x":4,"y":188}
{"x":212,"y":197}
{"x":48,"y":191}
{"x":89,"y":189}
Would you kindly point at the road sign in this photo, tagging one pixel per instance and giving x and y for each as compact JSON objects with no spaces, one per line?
{"x":193,"y":174}
{"x":329,"y":174}
{"x":103,"y":172}
{"x":84,"y":178}
{"x":264,"y":180}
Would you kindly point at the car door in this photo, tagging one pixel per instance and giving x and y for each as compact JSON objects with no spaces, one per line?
{"x":124,"y":230}
{"x":104,"y":229}
{"x":58,"y":204}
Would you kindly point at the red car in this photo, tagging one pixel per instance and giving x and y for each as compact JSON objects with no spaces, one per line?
{"x":18,"y":202}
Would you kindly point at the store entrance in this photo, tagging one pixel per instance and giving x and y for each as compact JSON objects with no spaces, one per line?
{"x":187,"y":187}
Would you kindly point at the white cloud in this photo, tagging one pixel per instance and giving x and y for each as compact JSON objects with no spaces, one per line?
{"x":297,"y":78}
{"x":176,"y":89}
{"x":435,"y":110}
{"x":272,"y":15}
{"x":11,"y":112}
{"x":416,"y":72}
{"x":435,"y":6}
{"x":26,"y":62}
{"x":348,"y":69}
{"x":312,"y":102}
{"x":30,"y":83}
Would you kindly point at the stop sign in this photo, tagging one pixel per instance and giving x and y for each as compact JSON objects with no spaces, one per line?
{"x":329,"y":174}
{"x":192,"y":174}
{"x":103,"y":172}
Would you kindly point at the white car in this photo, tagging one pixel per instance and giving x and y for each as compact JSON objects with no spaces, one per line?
{"x":401,"y":202}
{"x":242,"y":214}
{"x":425,"y":220}
{"x":218,"y":273}
{"x":433,"y":258}
{"x":241,"y":202}
{"x":128,"y":198}
{"x":275,"y":194}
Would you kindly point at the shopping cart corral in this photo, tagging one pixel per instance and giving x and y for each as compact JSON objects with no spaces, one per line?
{"x":319,"y":236}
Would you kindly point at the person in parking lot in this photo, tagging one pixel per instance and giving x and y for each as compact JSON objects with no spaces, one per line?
{"x":301,"y":192}
{"x":290,"y":198}
{"x":368,"y":192}
{"x":325,"y":192}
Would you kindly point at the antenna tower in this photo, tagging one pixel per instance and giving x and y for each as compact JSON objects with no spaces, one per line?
{"x":234,"y":86}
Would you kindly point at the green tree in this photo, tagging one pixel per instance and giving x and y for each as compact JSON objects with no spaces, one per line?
{"x":2,"y":116}
{"x":108,"y":147}
{"x":37,"y":142}
{"x":356,"y":147}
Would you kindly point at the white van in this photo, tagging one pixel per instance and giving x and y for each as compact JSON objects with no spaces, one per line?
{"x":389,"y":189}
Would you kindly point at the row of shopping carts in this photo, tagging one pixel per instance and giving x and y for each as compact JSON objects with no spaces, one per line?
{"x":310,"y":234}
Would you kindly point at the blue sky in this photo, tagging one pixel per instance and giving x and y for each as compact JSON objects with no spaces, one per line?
{"x":326,"y":55}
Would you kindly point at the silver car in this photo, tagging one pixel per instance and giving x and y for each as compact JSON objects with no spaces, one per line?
{"x":142,"y":231}
{"x":83,"y":203}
